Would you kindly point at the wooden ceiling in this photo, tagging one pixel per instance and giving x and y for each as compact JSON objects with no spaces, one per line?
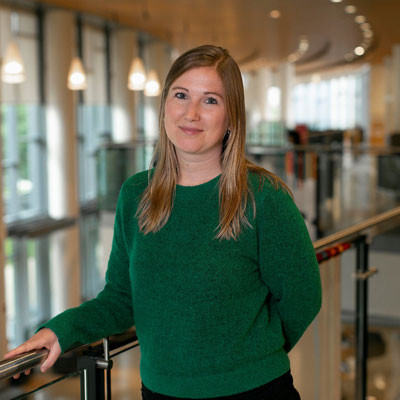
{"x":326,"y":31}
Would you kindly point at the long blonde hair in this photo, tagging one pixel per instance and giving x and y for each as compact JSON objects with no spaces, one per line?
{"x":157,"y":200}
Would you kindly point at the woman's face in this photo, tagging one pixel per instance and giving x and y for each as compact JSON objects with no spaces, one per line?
{"x":195,"y":114}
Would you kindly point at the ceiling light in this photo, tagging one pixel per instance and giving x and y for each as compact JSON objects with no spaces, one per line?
{"x":359,"y":51}
{"x":336,"y":1}
{"x":366,"y":44}
{"x":137,"y":75}
{"x":275,"y":14}
{"x":365,"y":26}
{"x":304,"y":45}
{"x":368,"y":34}
{"x":152,"y":87}
{"x":360,"y":19}
{"x":76,"y":75}
{"x":12,"y":70}
{"x":350,"y":9}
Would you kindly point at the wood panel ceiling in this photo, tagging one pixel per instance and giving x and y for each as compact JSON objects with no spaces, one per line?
{"x":252,"y":36}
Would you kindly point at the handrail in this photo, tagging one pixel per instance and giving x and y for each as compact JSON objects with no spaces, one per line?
{"x":371,"y":226}
{"x":259,"y":148}
{"x":263,"y":148}
{"x":22,"y":362}
{"x":368,"y":228}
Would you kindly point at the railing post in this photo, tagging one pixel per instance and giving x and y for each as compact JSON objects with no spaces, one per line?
{"x":361,"y":318}
{"x":92,"y":377}
{"x":106,"y":348}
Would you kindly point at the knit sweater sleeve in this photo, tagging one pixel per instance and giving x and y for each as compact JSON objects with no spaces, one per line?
{"x":111,"y":312}
{"x":288,"y":265}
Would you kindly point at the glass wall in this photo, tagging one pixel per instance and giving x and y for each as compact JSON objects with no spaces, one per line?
{"x":339,"y":102}
{"x":24,"y":169}
{"x":22,"y":127}
{"x":31,"y":279}
{"x":27,"y":286}
{"x":94,"y":115}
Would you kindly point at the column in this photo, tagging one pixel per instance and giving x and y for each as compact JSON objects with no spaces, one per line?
{"x":315,"y":360}
{"x":62,"y":159}
{"x":377,"y":104}
{"x":3,"y":342}
{"x":123,"y":50}
{"x":392,"y":89}
{"x":285,"y":81}
{"x":157,"y":58}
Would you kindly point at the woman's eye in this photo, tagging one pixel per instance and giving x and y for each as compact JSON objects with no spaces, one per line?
{"x":180,"y":95}
{"x":211,"y":100}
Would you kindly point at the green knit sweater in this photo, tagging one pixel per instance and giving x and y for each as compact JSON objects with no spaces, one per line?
{"x":213,"y":317}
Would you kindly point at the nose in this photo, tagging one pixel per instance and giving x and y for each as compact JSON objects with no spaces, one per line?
{"x":192,"y":112}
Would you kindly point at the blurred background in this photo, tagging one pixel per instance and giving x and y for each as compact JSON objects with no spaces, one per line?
{"x":79,"y":97}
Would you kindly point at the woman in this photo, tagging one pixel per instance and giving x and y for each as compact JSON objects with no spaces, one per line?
{"x":211,"y":259}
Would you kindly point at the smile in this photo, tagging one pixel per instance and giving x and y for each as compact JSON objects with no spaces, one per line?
{"x":190,"y":131}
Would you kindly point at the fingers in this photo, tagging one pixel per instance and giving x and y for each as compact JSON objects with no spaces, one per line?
{"x":55,"y":352}
{"x":27,"y":372}
{"x":23,"y":348}
{"x":45,"y":338}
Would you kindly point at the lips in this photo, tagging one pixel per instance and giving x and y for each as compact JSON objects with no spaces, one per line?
{"x":190,"y":131}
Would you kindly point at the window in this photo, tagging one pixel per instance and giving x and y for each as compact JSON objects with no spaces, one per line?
{"x":94,"y":120}
{"x":22,"y":127}
{"x":335,"y":103}
{"x":27,"y":286}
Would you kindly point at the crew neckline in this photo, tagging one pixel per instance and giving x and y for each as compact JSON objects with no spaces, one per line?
{"x":200,"y":185}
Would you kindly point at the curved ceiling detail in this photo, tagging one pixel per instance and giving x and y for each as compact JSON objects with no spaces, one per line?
{"x":237,"y":25}
{"x":318,"y":54}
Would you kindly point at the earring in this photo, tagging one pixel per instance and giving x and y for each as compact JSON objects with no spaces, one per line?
{"x":225,"y":139}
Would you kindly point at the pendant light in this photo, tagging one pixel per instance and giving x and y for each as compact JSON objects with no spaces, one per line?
{"x":76,"y":75}
{"x":137,"y":75}
{"x":12,"y":70}
{"x":152,"y":87}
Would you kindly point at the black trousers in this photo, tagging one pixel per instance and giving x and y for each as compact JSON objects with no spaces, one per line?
{"x":279,"y":389}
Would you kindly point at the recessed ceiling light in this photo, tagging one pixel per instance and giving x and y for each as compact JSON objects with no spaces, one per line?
{"x":292,"y":58}
{"x":359,"y":51}
{"x":350,"y":9}
{"x":304,"y":45}
{"x":360,"y":19}
{"x":368,"y":34}
{"x":366,"y":44}
{"x":365,"y":26}
{"x":349,"y":57}
{"x":275,"y":14}
{"x":336,"y":1}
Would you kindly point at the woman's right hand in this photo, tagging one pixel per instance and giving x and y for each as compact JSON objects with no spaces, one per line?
{"x":45,"y":338}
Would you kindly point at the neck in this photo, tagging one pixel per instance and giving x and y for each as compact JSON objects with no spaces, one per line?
{"x":195,"y":171}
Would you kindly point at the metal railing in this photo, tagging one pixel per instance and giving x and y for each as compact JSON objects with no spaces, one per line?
{"x":93,"y":365}
{"x":94,"y":359}
{"x":360,"y":236}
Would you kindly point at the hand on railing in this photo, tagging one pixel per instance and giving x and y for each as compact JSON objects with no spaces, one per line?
{"x":45,"y":338}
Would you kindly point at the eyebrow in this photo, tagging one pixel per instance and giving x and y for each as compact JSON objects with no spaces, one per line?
{"x":186,"y":90}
